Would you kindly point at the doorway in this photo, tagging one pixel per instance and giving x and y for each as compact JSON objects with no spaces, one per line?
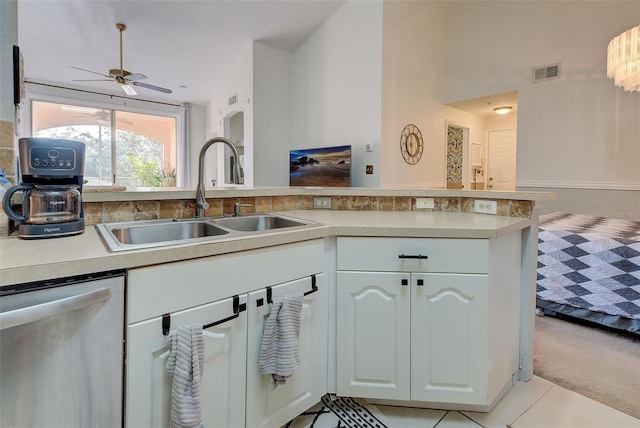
{"x":457,"y":156}
{"x":234,"y":131}
{"x":501,"y":160}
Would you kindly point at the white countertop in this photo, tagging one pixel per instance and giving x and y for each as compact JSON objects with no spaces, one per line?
{"x":35,"y":260}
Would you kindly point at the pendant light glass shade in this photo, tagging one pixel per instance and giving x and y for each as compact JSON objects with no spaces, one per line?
{"x":623,"y":60}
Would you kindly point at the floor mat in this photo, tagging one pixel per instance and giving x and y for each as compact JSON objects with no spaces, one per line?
{"x":343,"y":412}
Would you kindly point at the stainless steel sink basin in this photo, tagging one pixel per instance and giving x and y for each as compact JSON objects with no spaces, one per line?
{"x":258,"y":222}
{"x":144,"y":234}
{"x":134,"y":235}
{"x":175,"y":231}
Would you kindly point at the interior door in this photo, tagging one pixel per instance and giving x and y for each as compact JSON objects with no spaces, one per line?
{"x":457,"y":137}
{"x":501,"y":162}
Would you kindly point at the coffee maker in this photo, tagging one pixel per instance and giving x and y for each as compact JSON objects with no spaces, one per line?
{"x":52,"y":172}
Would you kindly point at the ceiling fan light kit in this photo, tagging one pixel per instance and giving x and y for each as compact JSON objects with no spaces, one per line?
{"x":124,"y":78}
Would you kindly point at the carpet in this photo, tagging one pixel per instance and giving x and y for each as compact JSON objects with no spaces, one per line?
{"x":343,"y":412}
{"x":600,"y":364}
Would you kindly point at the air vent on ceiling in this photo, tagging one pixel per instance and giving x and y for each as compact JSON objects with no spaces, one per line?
{"x":547,"y":72}
{"x":233,"y":99}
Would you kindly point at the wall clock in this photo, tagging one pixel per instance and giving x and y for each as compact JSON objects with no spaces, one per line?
{"x":411,"y":144}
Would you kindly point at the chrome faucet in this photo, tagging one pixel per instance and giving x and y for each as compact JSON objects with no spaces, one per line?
{"x":238,"y":172}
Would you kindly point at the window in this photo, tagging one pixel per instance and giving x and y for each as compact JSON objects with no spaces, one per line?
{"x":122,"y":147}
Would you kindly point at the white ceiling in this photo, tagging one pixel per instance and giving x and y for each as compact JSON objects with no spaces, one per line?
{"x":484,"y":106}
{"x":182,"y":45}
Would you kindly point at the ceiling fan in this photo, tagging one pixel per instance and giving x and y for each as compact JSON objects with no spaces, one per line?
{"x":124,"y":78}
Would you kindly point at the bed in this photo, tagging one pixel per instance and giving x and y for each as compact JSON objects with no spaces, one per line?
{"x":589,"y":269}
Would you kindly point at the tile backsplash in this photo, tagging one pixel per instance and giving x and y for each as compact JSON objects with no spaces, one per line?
{"x":110,"y":212}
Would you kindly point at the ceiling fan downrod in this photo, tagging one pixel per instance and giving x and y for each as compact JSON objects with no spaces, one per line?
{"x":121,"y":28}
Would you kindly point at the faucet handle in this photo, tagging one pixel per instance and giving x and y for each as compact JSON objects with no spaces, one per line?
{"x":236,"y":208}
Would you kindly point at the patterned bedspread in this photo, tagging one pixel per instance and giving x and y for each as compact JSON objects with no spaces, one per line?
{"x":590,"y":263}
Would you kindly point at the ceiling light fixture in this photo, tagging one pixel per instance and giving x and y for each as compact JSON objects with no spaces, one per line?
{"x":503,"y":110}
{"x":623,"y":60}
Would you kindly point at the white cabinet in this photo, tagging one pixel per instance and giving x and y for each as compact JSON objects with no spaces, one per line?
{"x":198,"y":291}
{"x":428,"y":320}
{"x":373,"y":335}
{"x":148,"y":386}
{"x":267,"y":408}
{"x":449,"y":338}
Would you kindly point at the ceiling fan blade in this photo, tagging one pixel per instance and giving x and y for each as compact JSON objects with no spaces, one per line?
{"x":92,"y":80}
{"x":128,"y":89}
{"x":155,"y":88}
{"x":136,"y":76}
{"x":89,"y":71}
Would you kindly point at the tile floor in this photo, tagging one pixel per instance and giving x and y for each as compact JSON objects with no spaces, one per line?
{"x":534,"y":404}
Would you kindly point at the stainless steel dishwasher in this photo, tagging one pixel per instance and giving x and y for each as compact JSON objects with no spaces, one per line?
{"x":61,"y":352}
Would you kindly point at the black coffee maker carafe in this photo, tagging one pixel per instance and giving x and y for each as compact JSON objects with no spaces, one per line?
{"x":52,"y":171}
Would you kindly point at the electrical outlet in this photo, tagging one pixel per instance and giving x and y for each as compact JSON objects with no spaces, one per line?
{"x":425,"y":203}
{"x":486,"y":207}
{"x":322,"y":202}
{"x":369,"y":169}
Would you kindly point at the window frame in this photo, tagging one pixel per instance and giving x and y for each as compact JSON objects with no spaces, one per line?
{"x":81,"y":98}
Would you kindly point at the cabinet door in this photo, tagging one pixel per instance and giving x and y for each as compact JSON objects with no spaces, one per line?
{"x":266,"y":408}
{"x":148,"y":386}
{"x":373,"y":335}
{"x":448,"y":338}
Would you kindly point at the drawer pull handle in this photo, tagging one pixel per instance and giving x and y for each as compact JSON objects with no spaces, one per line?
{"x":420,"y":282}
{"x":404,"y":282}
{"x":412,"y":256}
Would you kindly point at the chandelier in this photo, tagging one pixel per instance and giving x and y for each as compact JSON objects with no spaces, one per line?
{"x":623,"y":60}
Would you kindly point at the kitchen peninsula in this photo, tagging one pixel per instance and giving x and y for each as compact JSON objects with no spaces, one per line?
{"x":479,"y":265}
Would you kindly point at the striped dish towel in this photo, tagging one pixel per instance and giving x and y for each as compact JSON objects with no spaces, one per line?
{"x":280,"y":354}
{"x":185,"y":366}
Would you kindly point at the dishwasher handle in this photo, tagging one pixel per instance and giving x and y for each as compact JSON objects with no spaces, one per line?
{"x":56,"y":307}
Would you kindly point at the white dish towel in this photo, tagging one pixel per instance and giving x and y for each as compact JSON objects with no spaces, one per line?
{"x":185,"y":366}
{"x":280,"y":352}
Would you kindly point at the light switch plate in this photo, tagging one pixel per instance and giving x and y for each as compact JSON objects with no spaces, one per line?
{"x":322,"y":202}
{"x":425,"y":203}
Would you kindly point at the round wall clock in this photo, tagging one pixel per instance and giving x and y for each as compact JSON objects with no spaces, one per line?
{"x":411,"y":144}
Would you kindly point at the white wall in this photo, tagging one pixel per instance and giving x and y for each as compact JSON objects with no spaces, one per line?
{"x":578,"y":131}
{"x":411,"y":85}
{"x":238,"y":81}
{"x":197,"y":126}
{"x":272,"y":74}
{"x":336,"y":97}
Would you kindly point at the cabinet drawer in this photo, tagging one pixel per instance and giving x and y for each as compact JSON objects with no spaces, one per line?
{"x":155,"y":290}
{"x":395,"y":254}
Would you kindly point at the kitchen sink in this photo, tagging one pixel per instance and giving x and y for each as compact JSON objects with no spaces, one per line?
{"x":134,"y":235}
{"x":174,"y":231}
{"x":257,"y":222}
